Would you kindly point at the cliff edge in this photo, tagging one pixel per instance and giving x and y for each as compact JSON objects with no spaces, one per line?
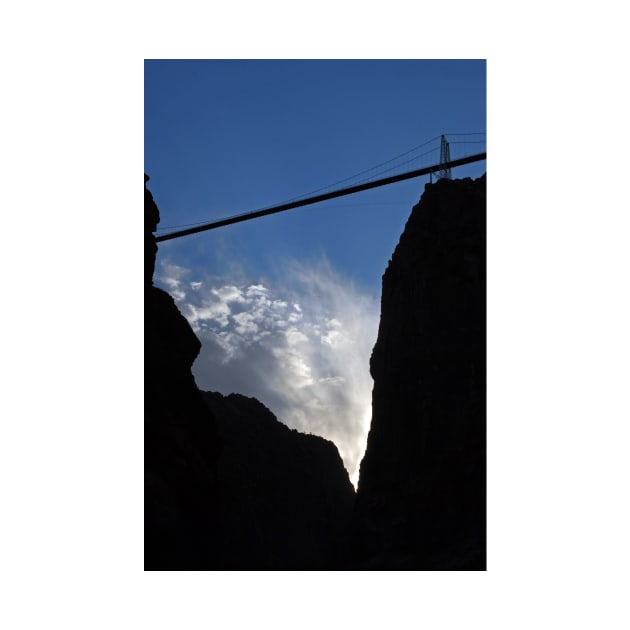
{"x":227,"y":486}
{"x":421,"y":498}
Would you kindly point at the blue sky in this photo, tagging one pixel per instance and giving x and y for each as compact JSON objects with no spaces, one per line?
{"x":287,"y":306}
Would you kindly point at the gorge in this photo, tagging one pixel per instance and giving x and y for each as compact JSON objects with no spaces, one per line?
{"x":229,"y":487}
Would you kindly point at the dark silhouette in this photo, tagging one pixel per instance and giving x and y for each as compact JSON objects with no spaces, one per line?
{"x":151,"y":220}
{"x":285,"y":496}
{"x":421,"y":501}
{"x":227,"y":486}
{"x":181,"y":441}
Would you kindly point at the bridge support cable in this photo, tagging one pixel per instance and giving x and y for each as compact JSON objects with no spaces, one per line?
{"x":324,"y":197}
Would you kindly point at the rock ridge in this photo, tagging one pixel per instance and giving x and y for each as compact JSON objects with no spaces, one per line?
{"x":227,"y":486}
{"x":421,"y":493}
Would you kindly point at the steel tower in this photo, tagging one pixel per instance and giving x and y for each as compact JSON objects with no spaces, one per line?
{"x":445,"y":158}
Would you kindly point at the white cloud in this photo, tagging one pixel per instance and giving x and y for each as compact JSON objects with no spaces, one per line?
{"x":294,"y":336}
{"x":172,"y":280}
{"x":301,"y":346}
{"x":229,"y":294}
{"x":333,"y":380}
{"x":218,"y":312}
{"x":245,"y":323}
{"x":257,"y":290}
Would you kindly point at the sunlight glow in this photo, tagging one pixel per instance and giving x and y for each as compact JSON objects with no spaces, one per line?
{"x":301,"y":345}
{"x":362,"y":443}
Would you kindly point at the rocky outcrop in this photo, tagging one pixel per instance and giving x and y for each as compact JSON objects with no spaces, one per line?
{"x":181,"y":441}
{"x":421,"y":493}
{"x":227,"y":486}
{"x":285,"y":497}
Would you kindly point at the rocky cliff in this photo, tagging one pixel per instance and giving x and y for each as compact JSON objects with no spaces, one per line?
{"x":285,"y":496}
{"x":421,"y":497}
{"x":227,"y":486}
{"x":181,"y":441}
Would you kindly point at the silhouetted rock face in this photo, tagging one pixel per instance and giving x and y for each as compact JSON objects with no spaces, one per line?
{"x":181,"y":441}
{"x":151,"y":220}
{"x":421,"y":495}
{"x":285,"y":497}
{"x":235,"y":491}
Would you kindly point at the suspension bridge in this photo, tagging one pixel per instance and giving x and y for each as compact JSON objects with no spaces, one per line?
{"x":441,"y":170}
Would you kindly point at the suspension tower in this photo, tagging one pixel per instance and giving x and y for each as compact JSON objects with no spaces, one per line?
{"x":445,"y":158}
